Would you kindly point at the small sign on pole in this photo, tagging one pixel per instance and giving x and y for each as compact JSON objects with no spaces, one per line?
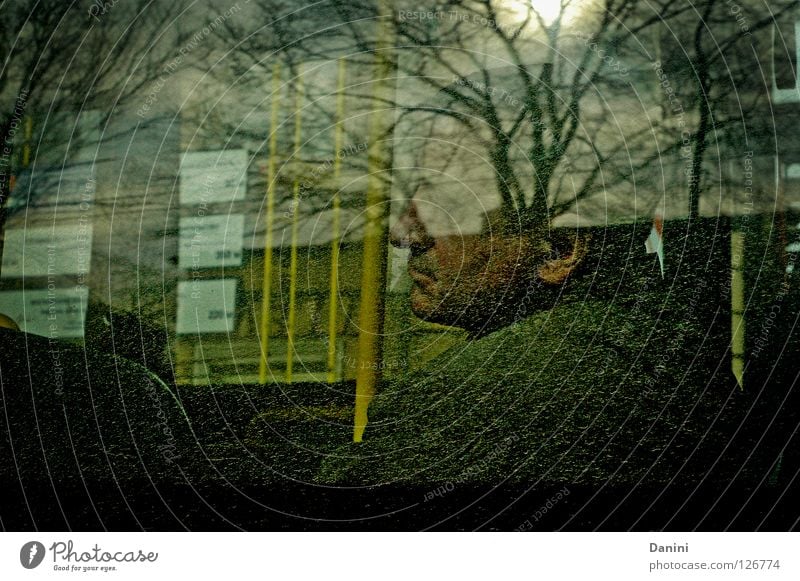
{"x":211,"y":241}
{"x":655,"y":241}
{"x":206,"y":306}
{"x":209,"y":177}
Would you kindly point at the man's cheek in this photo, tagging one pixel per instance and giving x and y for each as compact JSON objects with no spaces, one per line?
{"x":420,"y":302}
{"x":452,"y":254}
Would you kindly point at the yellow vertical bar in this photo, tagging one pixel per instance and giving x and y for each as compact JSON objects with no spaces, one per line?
{"x":267,"y":281}
{"x":337,"y":169}
{"x":737,"y":306}
{"x":26,"y":147}
{"x":373,"y":270}
{"x":290,"y":324}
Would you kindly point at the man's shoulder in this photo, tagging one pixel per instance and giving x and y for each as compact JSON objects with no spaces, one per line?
{"x":570,"y":326}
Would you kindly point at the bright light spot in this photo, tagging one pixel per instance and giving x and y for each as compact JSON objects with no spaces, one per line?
{"x":547,"y":9}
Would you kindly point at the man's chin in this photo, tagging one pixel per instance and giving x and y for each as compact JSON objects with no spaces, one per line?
{"x":429,"y":309}
{"x":422,"y":305}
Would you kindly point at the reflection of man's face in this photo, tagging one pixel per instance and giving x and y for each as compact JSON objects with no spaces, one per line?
{"x":469,"y":260}
{"x":464,"y":280}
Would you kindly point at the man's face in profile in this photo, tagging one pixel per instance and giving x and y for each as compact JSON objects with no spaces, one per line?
{"x":462,"y":280}
{"x":469,"y":259}
{"x":473,"y":255}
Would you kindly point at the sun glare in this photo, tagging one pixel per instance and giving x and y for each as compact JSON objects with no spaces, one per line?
{"x":547,"y":9}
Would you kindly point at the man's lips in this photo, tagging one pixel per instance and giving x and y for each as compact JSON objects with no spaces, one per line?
{"x":419,"y":277}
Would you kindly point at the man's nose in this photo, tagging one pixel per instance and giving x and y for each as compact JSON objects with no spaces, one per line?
{"x":409,"y":231}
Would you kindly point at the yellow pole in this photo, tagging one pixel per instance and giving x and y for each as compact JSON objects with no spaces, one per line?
{"x":26,"y":147}
{"x":290,"y":325}
{"x":373,"y":270}
{"x":337,"y":168}
{"x":267,"y":281}
{"x":737,"y":306}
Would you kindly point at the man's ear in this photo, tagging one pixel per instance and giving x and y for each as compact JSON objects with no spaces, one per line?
{"x":557,"y":270}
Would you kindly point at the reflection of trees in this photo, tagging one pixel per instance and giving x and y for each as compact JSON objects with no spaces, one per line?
{"x":73,"y":67}
{"x":566,"y":108}
{"x":717,"y":58}
{"x":228,"y":109}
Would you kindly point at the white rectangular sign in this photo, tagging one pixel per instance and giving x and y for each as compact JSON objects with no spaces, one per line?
{"x":793,"y":171}
{"x":211,"y":241}
{"x":213,"y":176}
{"x":206,"y":306}
{"x":47,"y":251}
{"x":56,"y":313}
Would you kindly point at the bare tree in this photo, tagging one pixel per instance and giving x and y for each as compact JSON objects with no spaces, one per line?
{"x":537,"y":87}
{"x":64,"y":62}
{"x":564,"y":99}
{"x":718,"y":58}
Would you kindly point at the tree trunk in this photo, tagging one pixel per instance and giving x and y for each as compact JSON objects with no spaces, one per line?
{"x":703,"y":83}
